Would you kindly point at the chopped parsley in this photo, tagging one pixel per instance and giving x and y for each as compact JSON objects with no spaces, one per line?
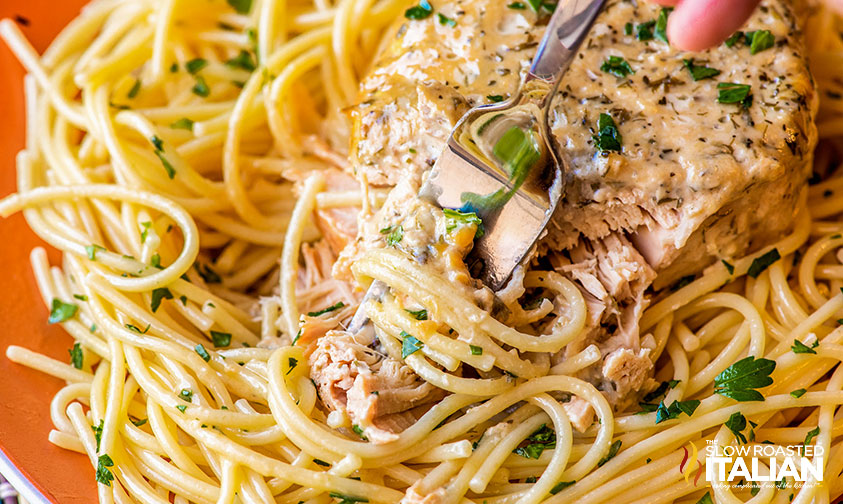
{"x":137,"y":421}
{"x":394,"y":234}
{"x":329,"y":309}
{"x":705,"y":499}
{"x":740,"y":380}
{"x":409,"y":345}
{"x":137,"y":329}
{"x":476,"y":350}
{"x":760,"y":40}
{"x":98,"y":432}
{"x":737,"y":423}
{"x":627,"y":29}
{"x":76,"y":356}
{"x":562,"y":485}
{"x":798,"y":393}
{"x":644,"y":31}
{"x":455,"y":218}
{"x":104,"y":475}
{"x":655,"y":394}
{"x":200,"y":349}
{"x":617,"y":66}
{"x":241,"y":6}
{"x":661,"y":25}
{"x":808,"y":437}
{"x":517,"y":6}
{"x":292,"y":362}
{"x":195,"y":65}
{"x":186,"y":395}
{"x":495,"y":98}
{"x":80,"y":297}
{"x":321,"y":463}
{"x":759,"y":264}
{"x":201,"y":87}
{"x":134,"y":90}
{"x":445,"y":20}
{"x":699,"y":72}
{"x":159,"y":295}
{"x":92,"y":251}
{"x":734,"y":39}
{"x":220,"y":339}
{"x":544,"y":438}
{"x":183,"y":123}
{"x":208,"y":275}
{"x":243,"y":61}
{"x":421,"y":11}
{"x":729,"y":267}
{"x":664,"y":413}
{"x":418,"y":314}
{"x":613,"y":450}
{"x":730,"y":92}
{"x":801,"y":348}
{"x":608,"y":138}
{"x":347,"y":499}
{"x":181,"y":407}
{"x":61,"y":311}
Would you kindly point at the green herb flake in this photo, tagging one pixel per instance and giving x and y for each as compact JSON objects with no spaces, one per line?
{"x":241,"y":6}
{"x":617,"y":66}
{"x":730,"y":92}
{"x":705,"y":499}
{"x":456,"y":218}
{"x":181,"y":407}
{"x":409,"y":344}
{"x":201,"y":87}
{"x":608,"y":138}
{"x":627,"y":29}
{"x":220,"y":339}
{"x":104,"y":475}
{"x":761,"y":41}
{"x":798,"y":393}
{"x":61,"y":311}
{"x":562,"y":485}
{"x":174,"y":68}
{"x":183,"y":123}
{"x":445,"y":20}
{"x":137,"y":329}
{"x":699,"y":72}
{"x":92,"y":251}
{"x":729,"y":267}
{"x":476,"y":350}
{"x":644,"y":31}
{"x":159,"y":295}
{"x":495,"y":98}
{"x":195,"y":65}
{"x":759,"y":264}
{"x":98,"y":432}
{"x":329,"y":309}
{"x":208,"y":275}
{"x":740,"y":380}
{"x":517,"y":6}
{"x":346,"y":499}
{"x":243,"y":61}
{"x":664,"y":413}
{"x":321,"y":463}
{"x":734,"y":39}
{"x":76,"y":356}
{"x":80,"y":297}
{"x":810,"y":436}
{"x":200,"y":349}
{"x":168,"y":167}
{"x":801,"y":348}
{"x":535,"y":4}
{"x":186,"y":395}
{"x":137,"y":421}
{"x":418,"y":314}
{"x":661,"y":25}
{"x":292,"y":362}
{"x":394,"y":234}
{"x":418,"y":12}
{"x":737,"y":423}
{"x":613,"y":450}
{"x":134,"y":90}
{"x":183,"y":300}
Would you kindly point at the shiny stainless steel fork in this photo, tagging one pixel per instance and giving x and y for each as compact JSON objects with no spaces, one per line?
{"x":512,"y":228}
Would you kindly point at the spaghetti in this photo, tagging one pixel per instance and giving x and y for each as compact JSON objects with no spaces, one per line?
{"x":175,"y":153}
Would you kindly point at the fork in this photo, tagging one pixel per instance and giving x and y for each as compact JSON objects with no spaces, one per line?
{"x":504,"y":153}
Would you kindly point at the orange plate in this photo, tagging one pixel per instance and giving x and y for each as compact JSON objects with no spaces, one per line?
{"x":61,"y":476}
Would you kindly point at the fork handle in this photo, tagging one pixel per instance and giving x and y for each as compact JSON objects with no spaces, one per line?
{"x":566,"y":30}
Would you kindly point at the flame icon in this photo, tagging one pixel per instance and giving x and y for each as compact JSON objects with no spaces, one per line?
{"x":692,"y":456}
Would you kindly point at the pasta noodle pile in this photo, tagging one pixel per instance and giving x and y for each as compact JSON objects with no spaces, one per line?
{"x":175,"y":152}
